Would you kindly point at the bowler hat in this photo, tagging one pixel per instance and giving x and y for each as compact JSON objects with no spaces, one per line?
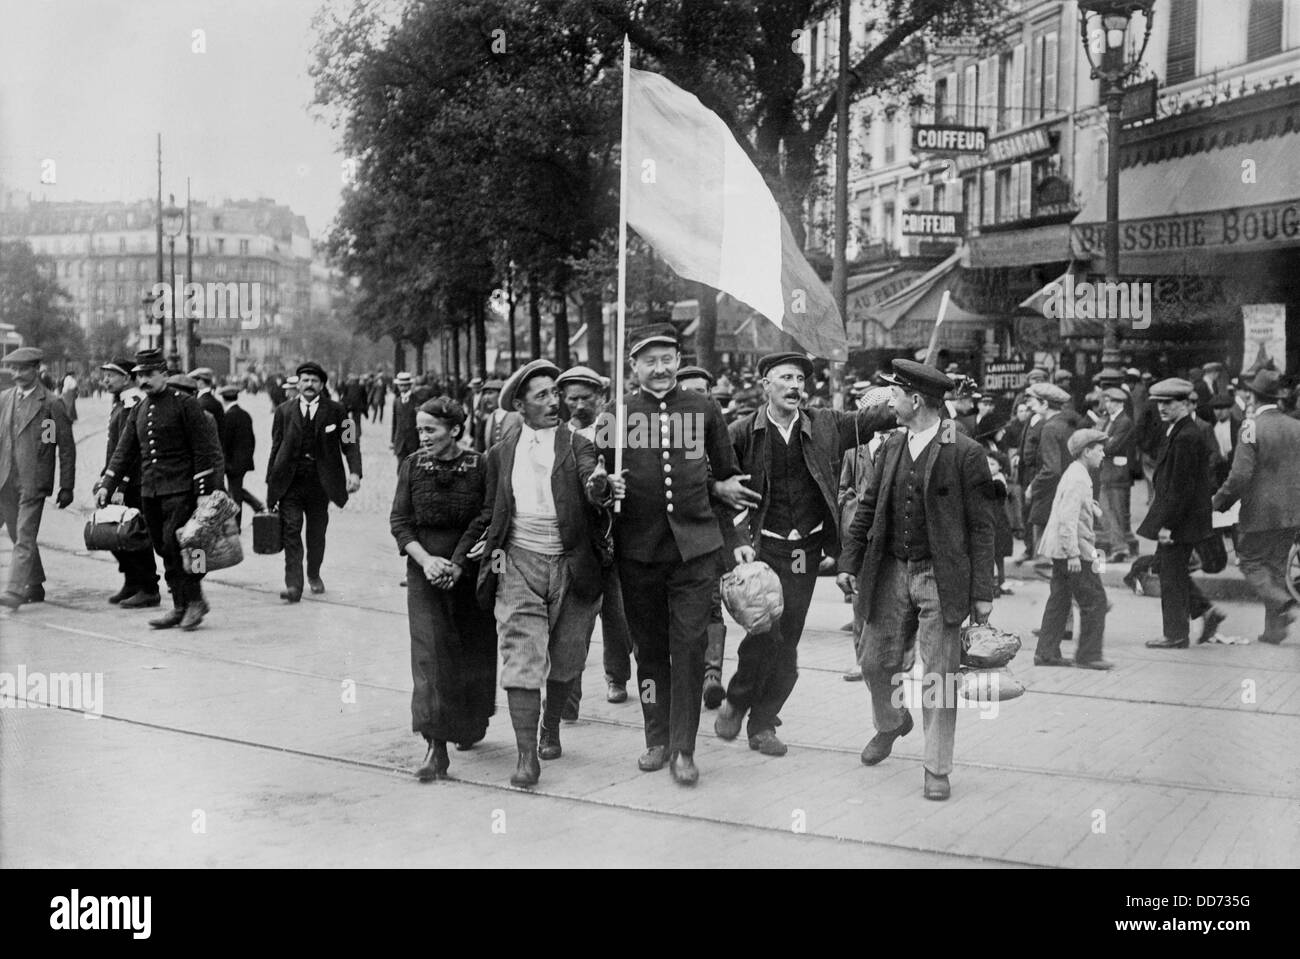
{"x":1081,"y":439}
{"x":1267,"y":385}
{"x":512,"y":387}
{"x":657,"y":334}
{"x":779,"y":359}
{"x":1173,"y":388}
{"x":918,"y":378}
{"x":311,"y":367}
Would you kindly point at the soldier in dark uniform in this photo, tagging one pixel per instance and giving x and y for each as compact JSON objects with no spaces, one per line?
{"x":138,"y":567}
{"x":181,"y":460}
{"x":669,"y":541}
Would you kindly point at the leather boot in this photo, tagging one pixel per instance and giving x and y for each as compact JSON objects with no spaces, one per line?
{"x":436,"y":762}
{"x":557,"y":697}
{"x":195,"y":609}
{"x":174,"y":617}
{"x":525,"y":711}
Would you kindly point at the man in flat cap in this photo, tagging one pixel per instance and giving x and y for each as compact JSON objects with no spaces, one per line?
{"x":1265,"y":477}
{"x":33,"y":424}
{"x":173,"y":440}
{"x":1180,"y":515}
{"x":405,"y":439}
{"x":541,"y":569}
{"x":237,"y":445}
{"x":681,"y":474}
{"x":1116,"y":533}
{"x":138,"y":567}
{"x":489,"y":418}
{"x":312,"y":439}
{"x":792,"y":459}
{"x":1053,"y":456}
{"x":206,"y":396}
{"x":920,"y":554}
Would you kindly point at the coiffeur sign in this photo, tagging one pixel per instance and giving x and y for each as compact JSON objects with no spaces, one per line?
{"x":1239,"y":228}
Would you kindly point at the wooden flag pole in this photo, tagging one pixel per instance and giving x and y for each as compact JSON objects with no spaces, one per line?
{"x":620,"y":325}
{"x":933,"y":351}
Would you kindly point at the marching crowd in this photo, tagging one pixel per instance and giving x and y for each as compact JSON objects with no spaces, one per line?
{"x":523,"y":505}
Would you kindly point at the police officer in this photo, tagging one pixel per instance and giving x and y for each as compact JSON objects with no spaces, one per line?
{"x":180,"y":460}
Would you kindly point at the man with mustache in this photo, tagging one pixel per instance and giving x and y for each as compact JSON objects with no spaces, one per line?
{"x":180,"y":456}
{"x":792,"y":456}
{"x":311,"y":438}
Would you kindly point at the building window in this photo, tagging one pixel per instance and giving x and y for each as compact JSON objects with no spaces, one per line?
{"x":1180,"y":55}
{"x":244,"y":346}
{"x":216,"y":223}
{"x":243,"y":248}
{"x":940,"y":197}
{"x":970,"y":199}
{"x":1264,"y":29}
{"x":1042,"y":79}
{"x":221,"y":245}
{"x":221,"y":268}
{"x":1005,"y":120}
{"x":890,"y":137}
{"x":969,"y":95}
{"x":121,"y":244}
{"x":941,"y":98}
{"x":1003,"y":200}
{"x":887,"y":223}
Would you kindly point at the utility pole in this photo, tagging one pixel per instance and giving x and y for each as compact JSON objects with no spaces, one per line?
{"x":839,"y":273}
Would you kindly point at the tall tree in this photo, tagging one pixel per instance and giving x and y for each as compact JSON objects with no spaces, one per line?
{"x":34,"y":303}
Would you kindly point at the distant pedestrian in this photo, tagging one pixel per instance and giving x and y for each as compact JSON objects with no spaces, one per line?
{"x":237,"y":445}
{"x":405,"y":440}
{"x":70,"y":395}
{"x":1117,"y":535}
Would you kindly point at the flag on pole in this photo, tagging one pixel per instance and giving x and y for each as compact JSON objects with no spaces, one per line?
{"x":693,"y":194}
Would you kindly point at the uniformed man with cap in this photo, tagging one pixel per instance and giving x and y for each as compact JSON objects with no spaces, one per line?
{"x":1265,"y":477}
{"x":180,"y":457}
{"x":33,"y":424}
{"x":920,"y":554}
{"x":680,"y":468}
{"x":1180,"y":515}
{"x":1048,"y":400}
{"x":206,"y":379}
{"x":583,"y":393}
{"x":405,"y":440}
{"x":1116,"y":534}
{"x":138,"y":567}
{"x":312,"y":438}
{"x":791,"y":457}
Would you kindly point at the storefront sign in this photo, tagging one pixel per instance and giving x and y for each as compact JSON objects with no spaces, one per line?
{"x":1265,"y":329}
{"x":1139,"y":102}
{"x":1238,"y":228}
{"x":933,"y":223}
{"x":1007,"y":149}
{"x":948,"y":138}
{"x":861,"y":301}
{"x":1006,"y":376}
{"x":1053,"y":195}
{"x":1040,"y":244}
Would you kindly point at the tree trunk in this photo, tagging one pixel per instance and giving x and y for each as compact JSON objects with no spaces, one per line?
{"x":562,"y":329}
{"x":455,"y":352}
{"x":399,"y":354}
{"x":594,"y":317}
{"x":480,"y":327}
{"x":706,"y":334}
{"x":535,"y":318}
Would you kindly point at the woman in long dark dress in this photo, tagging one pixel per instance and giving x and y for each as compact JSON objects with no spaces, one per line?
{"x":440,"y":489}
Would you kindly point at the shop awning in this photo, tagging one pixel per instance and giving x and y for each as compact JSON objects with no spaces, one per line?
{"x":867,"y":291}
{"x":1192,"y":208}
{"x":1067,"y":326}
{"x":907,"y":318}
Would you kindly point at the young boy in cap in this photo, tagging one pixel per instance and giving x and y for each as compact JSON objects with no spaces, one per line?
{"x":1069,"y":542}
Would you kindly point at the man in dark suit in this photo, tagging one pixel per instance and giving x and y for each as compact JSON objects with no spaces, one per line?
{"x":1225,"y":429}
{"x":1210,"y":385}
{"x":1179,"y":516}
{"x":680,"y":469}
{"x":1116,"y":535}
{"x":792,"y":458}
{"x":238,"y":443}
{"x":1265,"y":477}
{"x":311,"y":438}
{"x":405,"y":439}
{"x":920,"y":553}
{"x":1049,"y":401}
{"x":541,"y":572}
{"x":207,"y":398}
{"x":33,"y":425}
{"x":354,"y":400}
{"x":138,"y":567}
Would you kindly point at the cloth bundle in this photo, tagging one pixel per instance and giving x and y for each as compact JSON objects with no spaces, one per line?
{"x":752,"y":594}
{"x":210,"y":537}
{"x":985,"y":653}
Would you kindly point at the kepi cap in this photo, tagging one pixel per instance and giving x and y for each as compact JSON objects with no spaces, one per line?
{"x":919,"y":378}
{"x":657,"y":334}
{"x":149,"y":360}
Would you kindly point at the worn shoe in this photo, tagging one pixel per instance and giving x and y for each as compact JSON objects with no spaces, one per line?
{"x":194,"y":614}
{"x":1214,"y":617}
{"x":936,"y":787}
{"x":853,"y":675}
{"x":1094,"y":664}
{"x":1052,"y":661}
{"x":548,"y":744}
{"x":169,"y":619}
{"x":1164,"y":642}
{"x":882,"y":744}
{"x":767,"y":743}
{"x":1118,"y":556}
{"x":653,"y":759}
{"x":683,"y":769}
{"x":403,"y":582}
{"x":727,"y":725}
{"x":35,"y":593}
{"x":316,"y":584}
{"x":615,"y":693}
{"x":528,"y":770}
{"x":291,"y":595}
{"x":122,"y":594}
{"x":142,"y":600}
{"x":436,"y":763}
{"x":714,"y":693}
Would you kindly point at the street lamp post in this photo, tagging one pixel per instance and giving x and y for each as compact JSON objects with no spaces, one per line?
{"x":173,"y":220}
{"x":1103,"y":27}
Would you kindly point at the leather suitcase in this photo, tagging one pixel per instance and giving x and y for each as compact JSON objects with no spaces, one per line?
{"x":119,"y":528}
{"x":266,"y":533}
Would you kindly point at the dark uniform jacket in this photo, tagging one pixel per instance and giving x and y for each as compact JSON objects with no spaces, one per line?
{"x":405,"y":439}
{"x":578,"y":518}
{"x":175,"y":444}
{"x":119,"y":419}
{"x":1182,"y":486}
{"x":668,"y":500}
{"x":237,"y":440}
{"x":826,"y":434}
{"x":333,"y":441}
{"x":1265,"y":474}
{"x":958,"y":521}
{"x":26,"y":453}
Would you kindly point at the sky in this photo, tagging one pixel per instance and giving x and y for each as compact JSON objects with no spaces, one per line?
{"x":90,"y":84}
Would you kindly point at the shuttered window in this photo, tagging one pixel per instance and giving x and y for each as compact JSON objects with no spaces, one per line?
{"x":1180,"y":57}
{"x":1264,"y":29}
